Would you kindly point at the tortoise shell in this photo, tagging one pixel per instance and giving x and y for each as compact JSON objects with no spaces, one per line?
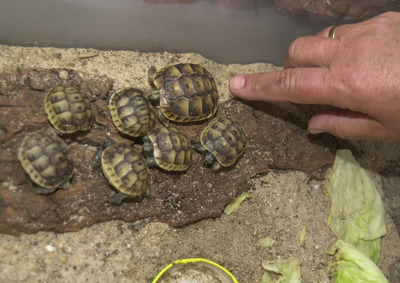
{"x":188,"y":92}
{"x":132,"y":112}
{"x":46,"y":159}
{"x":225,"y":139}
{"x":125,"y":169}
{"x":68,"y":109}
{"x":171,"y":148}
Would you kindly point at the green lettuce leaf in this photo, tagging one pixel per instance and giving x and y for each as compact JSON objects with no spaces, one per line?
{"x":357,"y":212}
{"x":353,"y":266}
{"x":288,"y":268}
{"x":266,"y":242}
{"x":232,"y":206}
{"x":302,"y":235}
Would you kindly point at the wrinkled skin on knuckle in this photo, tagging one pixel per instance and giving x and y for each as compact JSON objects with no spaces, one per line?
{"x":285,"y":83}
{"x":338,"y":131}
{"x":294,"y":48}
{"x":259,"y":86}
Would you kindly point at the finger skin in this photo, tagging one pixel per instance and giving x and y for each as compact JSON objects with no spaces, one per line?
{"x":288,"y":85}
{"x":341,"y":123}
{"x":359,"y":72}
{"x":311,"y":51}
{"x":347,"y":124}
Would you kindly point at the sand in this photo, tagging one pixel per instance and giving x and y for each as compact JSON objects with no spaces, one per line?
{"x":282,"y":203}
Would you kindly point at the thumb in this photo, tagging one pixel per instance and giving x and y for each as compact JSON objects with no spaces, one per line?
{"x":346,"y":124}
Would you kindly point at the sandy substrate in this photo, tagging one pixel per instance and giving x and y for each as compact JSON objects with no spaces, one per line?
{"x":282,"y":203}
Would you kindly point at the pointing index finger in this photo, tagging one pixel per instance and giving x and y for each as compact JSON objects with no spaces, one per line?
{"x":297,"y":85}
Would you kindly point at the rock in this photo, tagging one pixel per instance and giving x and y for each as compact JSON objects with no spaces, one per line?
{"x":274,"y":141}
{"x":329,"y":11}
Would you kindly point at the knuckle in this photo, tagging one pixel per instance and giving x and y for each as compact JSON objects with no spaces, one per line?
{"x":338,"y":131}
{"x":294,"y":47}
{"x":258,"y":85}
{"x":286,"y":82}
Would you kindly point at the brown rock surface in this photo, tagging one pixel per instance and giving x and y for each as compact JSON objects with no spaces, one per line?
{"x":327,"y":11}
{"x":282,"y":201}
{"x":177,"y":198}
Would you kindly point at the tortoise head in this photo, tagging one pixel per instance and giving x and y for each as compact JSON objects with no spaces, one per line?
{"x":150,"y":75}
{"x":148,"y":148}
{"x":154,"y":94}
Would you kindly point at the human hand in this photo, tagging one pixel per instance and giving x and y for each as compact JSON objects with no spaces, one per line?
{"x":357,"y":72}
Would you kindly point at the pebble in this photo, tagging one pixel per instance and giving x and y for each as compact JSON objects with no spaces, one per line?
{"x":49,"y":248}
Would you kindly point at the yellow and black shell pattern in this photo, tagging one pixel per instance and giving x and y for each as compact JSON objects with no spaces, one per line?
{"x":171,"y":148}
{"x":125,"y":169}
{"x":68,"y":109}
{"x":188,"y":92}
{"x":131,"y":112}
{"x":225,"y":139}
{"x":46,"y":159}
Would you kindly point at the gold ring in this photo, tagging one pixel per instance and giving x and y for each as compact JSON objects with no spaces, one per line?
{"x":332,"y":32}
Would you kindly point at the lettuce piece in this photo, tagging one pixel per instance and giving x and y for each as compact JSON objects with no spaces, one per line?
{"x":353,"y":266}
{"x":288,"y":268}
{"x":232,"y":206}
{"x":302,"y":235}
{"x":265,"y":278}
{"x":357,"y":212}
{"x":266,"y":242}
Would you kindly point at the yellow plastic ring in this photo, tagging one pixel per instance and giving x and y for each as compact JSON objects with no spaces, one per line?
{"x":182,"y":262}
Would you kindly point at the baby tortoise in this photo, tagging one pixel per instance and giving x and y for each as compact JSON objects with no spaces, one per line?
{"x":221,"y":142}
{"x":46,"y":159}
{"x":167,"y":148}
{"x":124,"y":168}
{"x":68,"y":109}
{"x":131,"y":112}
{"x":185,"y":92}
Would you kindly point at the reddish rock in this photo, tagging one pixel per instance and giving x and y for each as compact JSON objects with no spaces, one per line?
{"x":329,"y":11}
{"x":274,"y":141}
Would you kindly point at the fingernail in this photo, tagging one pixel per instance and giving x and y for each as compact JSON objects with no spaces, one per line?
{"x":315,"y":131}
{"x":237,"y":82}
